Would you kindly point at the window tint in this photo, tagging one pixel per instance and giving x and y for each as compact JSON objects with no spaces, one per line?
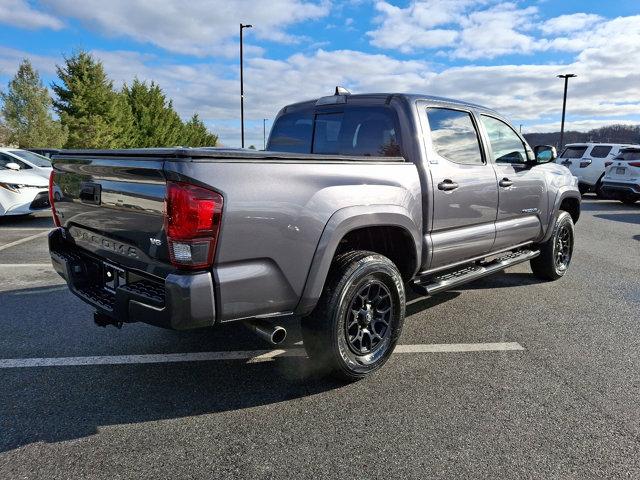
{"x":37,"y":160}
{"x":292,"y":132}
{"x":4,"y":159}
{"x":573,"y":152}
{"x":629,"y":154}
{"x":366,"y":131}
{"x":505,"y":143}
{"x":454,"y":136}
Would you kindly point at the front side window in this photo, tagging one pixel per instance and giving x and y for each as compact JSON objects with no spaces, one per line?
{"x":4,"y":159}
{"x":34,"y":158}
{"x":454,"y":136}
{"x":505,"y":143}
{"x":292,"y":132}
{"x":576,"y":151}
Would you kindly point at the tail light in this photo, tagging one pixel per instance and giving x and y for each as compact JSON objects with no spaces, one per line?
{"x":192,"y":222}
{"x":634,"y":164}
{"x":52,"y":197}
{"x":607,"y":164}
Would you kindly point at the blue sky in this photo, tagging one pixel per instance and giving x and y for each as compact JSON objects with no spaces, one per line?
{"x":504,"y":54}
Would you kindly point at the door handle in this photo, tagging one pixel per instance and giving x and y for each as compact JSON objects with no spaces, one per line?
{"x":505,"y":182}
{"x":447,"y":185}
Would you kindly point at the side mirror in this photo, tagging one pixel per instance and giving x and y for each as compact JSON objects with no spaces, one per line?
{"x":545,"y":153}
{"x":12,"y":166}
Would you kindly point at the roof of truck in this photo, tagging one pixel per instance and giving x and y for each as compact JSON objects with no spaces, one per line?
{"x":386,"y":97}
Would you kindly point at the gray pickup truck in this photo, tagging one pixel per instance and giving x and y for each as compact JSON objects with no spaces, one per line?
{"x":356,"y":198}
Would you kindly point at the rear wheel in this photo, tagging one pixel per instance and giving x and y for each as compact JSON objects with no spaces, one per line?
{"x":555,"y":253}
{"x":355,"y":327}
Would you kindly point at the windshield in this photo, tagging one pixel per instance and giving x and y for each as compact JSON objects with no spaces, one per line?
{"x":574,"y":152}
{"x":34,"y":158}
{"x":631,"y":154}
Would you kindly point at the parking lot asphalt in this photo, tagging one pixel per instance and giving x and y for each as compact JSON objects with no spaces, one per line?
{"x":565,"y":406}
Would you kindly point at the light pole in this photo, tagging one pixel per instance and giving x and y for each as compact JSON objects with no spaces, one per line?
{"x":264,"y":133}
{"x":242,"y":27}
{"x":566,"y":77}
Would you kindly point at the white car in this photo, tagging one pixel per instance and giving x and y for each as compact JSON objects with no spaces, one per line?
{"x":28,"y":161}
{"x":622,"y":179}
{"x":588,"y":162}
{"x":21,"y":192}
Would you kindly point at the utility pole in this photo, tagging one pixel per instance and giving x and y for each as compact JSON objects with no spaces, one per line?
{"x":566,"y":77}
{"x":242,"y":27}
{"x":264,"y":133}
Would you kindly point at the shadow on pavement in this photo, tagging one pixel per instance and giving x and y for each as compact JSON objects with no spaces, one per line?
{"x":53,"y":404}
{"x":502,"y":280}
{"x":27,"y":221}
{"x":621,"y":217}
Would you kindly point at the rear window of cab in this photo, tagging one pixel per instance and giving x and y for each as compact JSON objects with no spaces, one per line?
{"x":350,"y":131}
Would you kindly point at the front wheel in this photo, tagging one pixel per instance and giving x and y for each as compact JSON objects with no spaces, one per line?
{"x":555,"y":253}
{"x":357,"y":322}
{"x":629,"y":199}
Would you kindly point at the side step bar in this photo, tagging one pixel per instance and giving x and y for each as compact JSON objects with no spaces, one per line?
{"x":436,"y":284}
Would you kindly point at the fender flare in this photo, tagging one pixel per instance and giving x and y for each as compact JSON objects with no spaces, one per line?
{"x":341,"y":223}
{"x":562,"y":194}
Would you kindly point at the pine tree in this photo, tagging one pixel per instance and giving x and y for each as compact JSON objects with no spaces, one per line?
{"x":95,"y":114}
{"x":26,"y":111}
{"x":156,"y":123}
{"x":195,"y":134}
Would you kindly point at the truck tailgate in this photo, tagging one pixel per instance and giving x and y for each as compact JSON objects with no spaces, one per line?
{"x":113,"y":207}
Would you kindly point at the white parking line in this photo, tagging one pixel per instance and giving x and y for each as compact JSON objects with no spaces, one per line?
{"x":29,"y":265}
{"x":251,"y":356}
{"x":24,"y":240}
{"x":18,"y":229}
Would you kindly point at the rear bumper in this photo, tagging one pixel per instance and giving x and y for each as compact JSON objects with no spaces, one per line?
{"x":618,"y":188}
{"x":181,"y":302}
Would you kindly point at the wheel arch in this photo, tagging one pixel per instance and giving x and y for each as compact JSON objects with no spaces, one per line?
{"x":357,"y":228}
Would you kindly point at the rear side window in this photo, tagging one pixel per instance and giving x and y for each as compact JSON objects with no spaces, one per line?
{"x":367,"y":131}
{"x":292,"y":132}
{"x":573,"y":152}
{"x":600,"y":151}
{"x":454,"y":136}
{"x":630,"y":154}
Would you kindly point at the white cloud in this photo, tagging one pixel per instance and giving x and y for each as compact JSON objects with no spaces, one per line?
{"x":607,"y":89}
{"x":570,"y":23}
{"x":20,"y":14}
{"x":496,"y":31}
{"x":196,"y":27}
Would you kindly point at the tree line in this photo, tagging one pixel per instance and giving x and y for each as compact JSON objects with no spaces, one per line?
{"x":91,"y":112}
{"x":607,"y":134}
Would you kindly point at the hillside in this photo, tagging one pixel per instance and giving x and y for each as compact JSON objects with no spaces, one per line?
{"x":612,"y":133}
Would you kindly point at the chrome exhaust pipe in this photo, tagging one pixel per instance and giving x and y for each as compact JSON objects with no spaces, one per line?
{"x":274,"y":334}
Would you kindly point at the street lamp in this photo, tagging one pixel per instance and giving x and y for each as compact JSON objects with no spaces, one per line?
{"x":264,"y":133}
{"x":242,"y":27}
{"x":566,"y":77}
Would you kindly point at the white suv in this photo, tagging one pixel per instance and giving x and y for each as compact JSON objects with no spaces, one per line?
{"x":622,"y":179}
{"x":588,"y":162}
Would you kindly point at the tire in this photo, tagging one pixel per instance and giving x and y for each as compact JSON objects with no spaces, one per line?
{"x":629,"y":199}
{"x":363,"y":298}
{"x":583,"y":188}
{"x":555,"y":253}
{"x":600,"y":193}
